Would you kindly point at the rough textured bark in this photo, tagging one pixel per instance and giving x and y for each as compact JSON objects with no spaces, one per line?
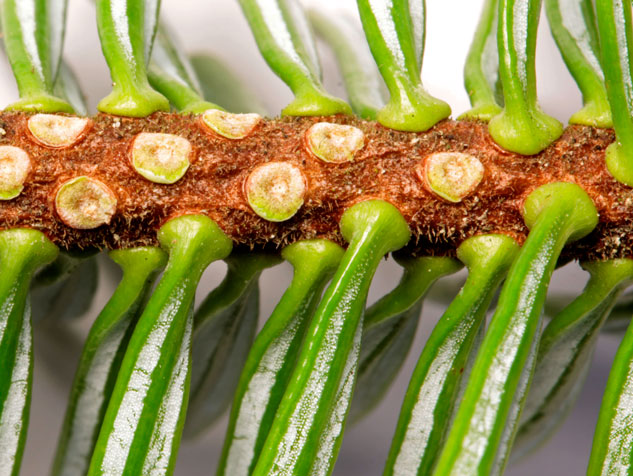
{"x":383,"y":169}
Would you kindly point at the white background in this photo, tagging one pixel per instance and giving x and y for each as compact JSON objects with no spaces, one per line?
{"x":217,"y":26}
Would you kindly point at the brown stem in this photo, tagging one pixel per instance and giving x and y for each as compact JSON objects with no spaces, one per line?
{"x":385,"y":168}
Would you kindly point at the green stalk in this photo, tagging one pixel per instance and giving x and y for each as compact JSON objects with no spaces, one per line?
{"x":285,"y":41}
{"x":573,"y":25}
{"x":396,"y":40}
{"x":482,"y":433}
{"x":171,"y":74}
{"x":432,"y":395}
{"x":522,"y":126}
{"x":33,"y":37}
{"x":306,"y":433}
{"x":66,"y":85}
{"x":142,"y":426}
{"x":481,"y":71}
{"x":612,"y":440}
{"x":125,"y":42}
{"x":22,"y":251}
{"x":224,"y":328}
{"x":389,"y":328}
{"x":616,"y":45}
{"x":273,"y":355}
{"x":101,"y":358}
{"x":565,"y":351}
{"x":360,"y":75}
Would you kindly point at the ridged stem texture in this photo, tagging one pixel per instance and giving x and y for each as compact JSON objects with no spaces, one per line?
{"x":612,"y":441}
{"x":481,"y":70}
{"x":306,"y":433}
{"x":285,"y":40}
{"x":522,"y":126}
{"x":125,"y":43}
{"x":33,"y":38}
{"x":616,"y":45}
{"x":224,"y":328}
{"x":433,"y":391}
{"x":565,"y":351}
{"x":101,"y":358}
{"x":481,"y":436}
{"x":272,"y":357}
{"x":395,"y":31}
{"x":389,"y":329}
{"x":573,"y":25}
{"x":65,"y":83}
{"x":141,"y":430}
{"x":22,"y":251}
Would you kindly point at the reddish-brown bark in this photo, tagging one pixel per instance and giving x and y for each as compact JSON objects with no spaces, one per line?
{"x":383,"y":169}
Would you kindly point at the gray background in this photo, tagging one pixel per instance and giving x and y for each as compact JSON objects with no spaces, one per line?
{"x":218,"y":27}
